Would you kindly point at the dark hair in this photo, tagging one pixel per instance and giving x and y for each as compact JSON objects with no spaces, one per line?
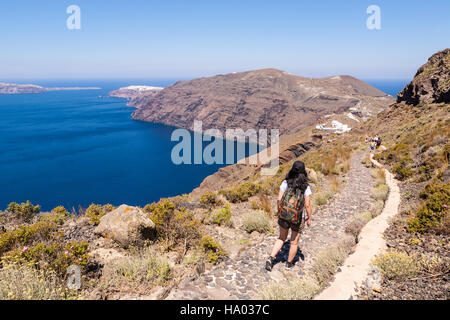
{"x":297,"y":178}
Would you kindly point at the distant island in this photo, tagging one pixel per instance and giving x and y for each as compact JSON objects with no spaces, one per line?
{"x":14,"y":88}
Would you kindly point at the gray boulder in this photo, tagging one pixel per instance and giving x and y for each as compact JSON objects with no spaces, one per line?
{"x":127,"y":226}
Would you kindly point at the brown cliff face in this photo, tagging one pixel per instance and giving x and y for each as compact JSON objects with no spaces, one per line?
{"x":261,"y":99}
{"x":431,"y":84}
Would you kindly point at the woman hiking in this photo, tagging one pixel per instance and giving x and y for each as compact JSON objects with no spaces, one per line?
{"x":293,"y":199}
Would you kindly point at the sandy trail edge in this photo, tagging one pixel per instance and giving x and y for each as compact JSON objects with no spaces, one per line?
{"x":371,"y":242}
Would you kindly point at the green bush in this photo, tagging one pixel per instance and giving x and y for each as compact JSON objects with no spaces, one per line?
{"x":242,"y":192}
{"x":174,"y":225}
{"x":221,"y":216}
{"x":210,"y":199}
{"x":433,"y":211}
{"x":58,"y":215}
{"x":395,"y":154}
{"x":403,"y":170}
{"x":95,"y":212}
{"x":256,"y":221}
{"x":24,"y":211}
{"x":60,"y":211}
{"x":26,"y":234}
{"x":55,"y":256}
{"x":212,"y":249}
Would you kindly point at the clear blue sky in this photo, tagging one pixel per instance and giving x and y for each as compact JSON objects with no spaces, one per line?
{"x":189,"y":38}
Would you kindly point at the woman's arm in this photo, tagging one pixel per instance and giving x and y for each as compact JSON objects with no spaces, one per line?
{"x":280,"y":195}
{"x":308,"y":209}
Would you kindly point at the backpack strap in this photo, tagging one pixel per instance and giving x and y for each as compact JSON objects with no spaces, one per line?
{"x":283,"y":198}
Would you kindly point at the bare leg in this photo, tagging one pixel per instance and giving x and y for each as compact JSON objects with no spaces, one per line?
{"x":295,"y":236}
{"x":280,"y":241}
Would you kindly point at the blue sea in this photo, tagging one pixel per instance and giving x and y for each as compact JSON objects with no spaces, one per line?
{"x":74,"y":148}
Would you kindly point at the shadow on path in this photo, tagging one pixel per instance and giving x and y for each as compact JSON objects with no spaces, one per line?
{"x":283,"y":255}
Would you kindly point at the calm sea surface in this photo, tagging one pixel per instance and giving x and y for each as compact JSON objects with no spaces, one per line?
{"x":76,"y":148}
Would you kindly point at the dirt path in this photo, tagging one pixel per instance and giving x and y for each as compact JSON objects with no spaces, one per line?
{"x":356,"y":266}
{"x":240,"y":276}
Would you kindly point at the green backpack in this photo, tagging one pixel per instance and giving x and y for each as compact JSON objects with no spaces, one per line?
{"x":291,"y":206}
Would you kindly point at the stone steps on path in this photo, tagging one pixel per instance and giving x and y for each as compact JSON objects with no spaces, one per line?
{"x":241,"y":276}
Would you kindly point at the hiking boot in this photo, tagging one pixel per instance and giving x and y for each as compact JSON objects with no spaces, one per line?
{"x":269,"y":263}
{"x":289,"y":265}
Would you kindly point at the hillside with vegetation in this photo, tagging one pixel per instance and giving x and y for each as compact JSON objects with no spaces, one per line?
{"x":212,"y":243}
{"x":416,"y":135}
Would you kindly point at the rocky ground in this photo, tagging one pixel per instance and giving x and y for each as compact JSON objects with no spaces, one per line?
{"x":424,"y":286}
{"x":241,"y":274}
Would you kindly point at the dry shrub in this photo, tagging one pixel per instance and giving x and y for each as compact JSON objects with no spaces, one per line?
{"x":433,"y":264}
{"x":366,"y":161}
{"x":255,"y":205}
{"x":242,"y":192}
{"x":20,"y":282}
{"x":376,"y":208}
{"x":328,"y":260}
{"x":330,"y":160}
{"x":271,"y":185}
{"x":256,"y":221}
{"x":379,"y":175}
{"x":321,"y":198}
{"x":335,"y":185}
{"x":357,"y":222}
{"x":292,"y":289}
{"x":380,"y":192}
{"x":146,"y":267}
{"x":265,"y":203}
{"x":396,"y":265}
{"x":343,"y":166}
{"x":444,"y":226}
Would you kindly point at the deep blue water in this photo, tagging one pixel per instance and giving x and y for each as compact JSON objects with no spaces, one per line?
{"x":75,"y":148}
{"x":390,"y":86}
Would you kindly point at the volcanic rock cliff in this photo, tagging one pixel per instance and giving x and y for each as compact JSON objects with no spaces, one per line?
{"x":431,"y":84}
{"x":261,"y":99}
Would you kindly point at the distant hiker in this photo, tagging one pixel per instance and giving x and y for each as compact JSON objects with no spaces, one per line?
{"x":294,"y":201}
{"x":378,"y":142}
